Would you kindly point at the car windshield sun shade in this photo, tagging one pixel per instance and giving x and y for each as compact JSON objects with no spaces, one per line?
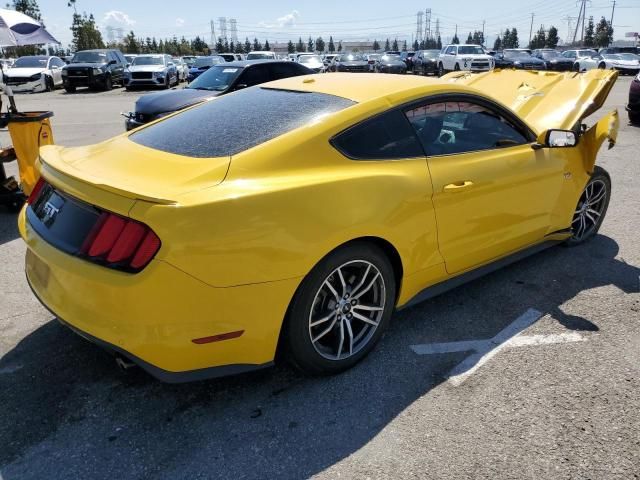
{"x":234,"y":123}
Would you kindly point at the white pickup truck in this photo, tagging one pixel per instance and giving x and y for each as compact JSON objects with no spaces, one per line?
{"x":471,"y":58}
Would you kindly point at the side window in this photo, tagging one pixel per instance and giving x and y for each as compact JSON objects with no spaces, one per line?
{"x":283,"y":70}
{"x":457,"y":127}
{"x":385,"y":137}
{"x":254,"y":75}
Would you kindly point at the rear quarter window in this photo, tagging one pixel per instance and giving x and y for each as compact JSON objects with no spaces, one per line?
{"x":236,"y":122}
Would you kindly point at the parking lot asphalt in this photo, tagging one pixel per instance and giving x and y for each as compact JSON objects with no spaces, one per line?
{"x":559,"y":401}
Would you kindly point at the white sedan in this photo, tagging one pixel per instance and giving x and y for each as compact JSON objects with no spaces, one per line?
{"x":34,"y":74}
{"x":625,"y":63}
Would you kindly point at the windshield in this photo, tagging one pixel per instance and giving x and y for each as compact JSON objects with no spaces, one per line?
{"x":148,"y":61}
{"x":470,"y":50}
{"x":217,"y":78}
{"x":350,"y":57}
{"x":207,"y":61}
{"x":259,"y":56}
{"x":89,"y":57}
{"x":31,"y":62}
{"x":189,"y":60}
{"x":431,"y":53}
{"x":612,"y":56}
{"x":628,"y":56}
{"x":516,"y":54}
{"x":553,"y":54}
{"x":374,"y":57}
{"x":310,"y":59}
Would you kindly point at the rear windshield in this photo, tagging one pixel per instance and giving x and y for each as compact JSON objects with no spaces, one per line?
{"x":234,"y":123}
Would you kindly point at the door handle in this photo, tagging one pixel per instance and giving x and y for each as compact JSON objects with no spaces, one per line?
{"x":458,"y":186}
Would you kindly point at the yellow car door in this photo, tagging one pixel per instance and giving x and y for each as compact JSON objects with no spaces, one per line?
{"x":493,"y":193}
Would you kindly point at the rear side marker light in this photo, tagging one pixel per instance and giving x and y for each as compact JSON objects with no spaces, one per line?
{"x":120,"y":243}
{"x":217,"y":338}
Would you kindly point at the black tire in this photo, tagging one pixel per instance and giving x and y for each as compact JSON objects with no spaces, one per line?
{"x":599,"y":179}
{"x":602,"y":66}
{"x":70,"y":89}
{"x":456,"y":67}
{"x":576,"y":67}
{"x":297,"y":331}
{"x":48,"y":81}
{"x":634,"y":118}
{"x":108,"y":83}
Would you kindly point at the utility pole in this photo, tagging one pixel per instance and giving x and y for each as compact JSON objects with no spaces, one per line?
{"x":531,"y":29}
{"x":483,"y":22}
{"x":584,"y":15}
{"x":580,"y":18}
{"x":213,"y":35}
{"x":613,"y":9}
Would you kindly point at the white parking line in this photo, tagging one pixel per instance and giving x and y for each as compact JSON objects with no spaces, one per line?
{"x":484,"y":350}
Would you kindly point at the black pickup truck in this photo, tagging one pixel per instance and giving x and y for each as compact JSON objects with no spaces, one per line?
{"x":96,"y":69}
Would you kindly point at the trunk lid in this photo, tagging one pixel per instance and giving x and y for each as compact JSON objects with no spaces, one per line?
{"x":124,"y":168}
{"x":544,"y":100}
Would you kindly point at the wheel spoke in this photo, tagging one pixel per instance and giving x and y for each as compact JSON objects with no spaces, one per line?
{"x":577,"y":219}
{"x":365,"y":319}
{"x":369,"y":308}
{"x":597,"y":198}
{"x":364,"y":278}
{"x":324,"y":332}
{"x":350,"y":332}
{"x":342,"y":282}
{"x":368,"y":287}
{"x":593,"y":212}
{"x":588,"y":215}
{"x":333,"y":290}
{"x":341,"y":339}
{"x":323,"y":320}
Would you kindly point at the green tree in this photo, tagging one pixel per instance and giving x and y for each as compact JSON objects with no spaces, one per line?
{"x":339,"y":47}
{"x":416,"y":45}
{"x":506,"y":39}
{"x":478,"y":37}
{"x":404,"y":46}
{"x":300,"y":45}
{"x":394,"y":46}
{"x":439,"y":43}
{"x":232,"y":46}
{"x":239,"y":48}
{"x":604,"y":33}
{"x":515,"y":43}
{"x":85,"y":33}
{"x":247,"y":45}
{"x":257,"y":46}
{"x":539,"y":40}
{"x":332,"y":47}
{"x":469,"y":39}
{"x":589,"y":40}
{"x":376,"y":46}
{"x":320,"y":44}
{"x":552,"y":37}
{"x":267,"y":47}
{"x":310,"y":47}
{"x":291,"y":48}
{"x":455,"y":40}
{"x":497,"y":44}
{"x":219,"y":46}
{"x":387,"y":46}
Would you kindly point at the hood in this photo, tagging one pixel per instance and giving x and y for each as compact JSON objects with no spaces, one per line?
{"x":626,"y":63}
{"x":560,"y":60}
{"x":133,"y":171}
{"x":475,"y":55}
{"x":171,"y":100}
{"x":71,"y":66}
{"x":544,"y":99}
{"x":147,"y":68}
{"x":23,"y":72}
{"x":527,"y":60}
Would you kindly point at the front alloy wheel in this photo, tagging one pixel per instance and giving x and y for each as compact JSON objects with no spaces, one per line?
{"x":340,"y":309}
{"x":592,"y":207}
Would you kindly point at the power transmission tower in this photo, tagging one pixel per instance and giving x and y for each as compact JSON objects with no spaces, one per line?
{"x":222,"y":23}
{"x":569,"y":21}
{"x":213,"y":40}
{"x":427,"y":24}
{"x":420,"y":14}
{"x":234,"y":30}
{"x":437,"y":28}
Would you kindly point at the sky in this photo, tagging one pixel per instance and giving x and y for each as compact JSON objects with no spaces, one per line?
{"x":279,"y":20}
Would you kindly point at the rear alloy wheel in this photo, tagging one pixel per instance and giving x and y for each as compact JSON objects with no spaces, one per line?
{"x":340,"y":310}
{"x":591,"y":208}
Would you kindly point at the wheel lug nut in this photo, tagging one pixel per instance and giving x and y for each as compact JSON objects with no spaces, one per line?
{"x":349,"y":315}
{"x":354,"y":302}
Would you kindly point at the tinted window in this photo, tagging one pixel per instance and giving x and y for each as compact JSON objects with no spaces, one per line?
{"x":236,"y":122}
{"x":254,"y":75}
{"x":284,"y":70}
{"x":387,"y":136}
{"x":457,"y":127}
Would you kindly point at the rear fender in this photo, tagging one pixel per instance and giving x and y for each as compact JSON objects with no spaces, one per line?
{"x":606,"y":128}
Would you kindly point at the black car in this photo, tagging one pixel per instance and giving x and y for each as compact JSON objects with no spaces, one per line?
{"x":633,"y":107}
{"x":217,"y":80}
{"x":202,"y":64}
{"x":390,"y":64}
{"x":350,"y":62}
{"x":407,"y":58}
{"x":500,"y":61}
{"x":522,"y":59}
{"x":96,"y":69}
{"x":554,"y":60}
{"x":426,"y":62}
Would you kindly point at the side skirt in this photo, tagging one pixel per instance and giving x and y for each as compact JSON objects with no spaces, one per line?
{"x":435,"y":290}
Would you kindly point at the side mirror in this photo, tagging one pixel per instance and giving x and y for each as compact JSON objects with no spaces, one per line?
{"x":556,"y":139}
{"x":240,"y":86}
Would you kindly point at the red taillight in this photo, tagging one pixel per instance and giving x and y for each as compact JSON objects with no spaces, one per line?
{"x":120,"y":243}
{"x":37,"y":188}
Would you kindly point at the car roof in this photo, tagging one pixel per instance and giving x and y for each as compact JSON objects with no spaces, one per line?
{"x":246,"y":63}
{"x":357,"y":87}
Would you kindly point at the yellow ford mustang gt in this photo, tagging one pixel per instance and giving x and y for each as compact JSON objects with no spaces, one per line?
{"x":297,"y":215}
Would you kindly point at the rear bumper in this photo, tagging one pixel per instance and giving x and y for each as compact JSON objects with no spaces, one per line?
{"x":131,"y":123}
{"x":153,"y":317}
